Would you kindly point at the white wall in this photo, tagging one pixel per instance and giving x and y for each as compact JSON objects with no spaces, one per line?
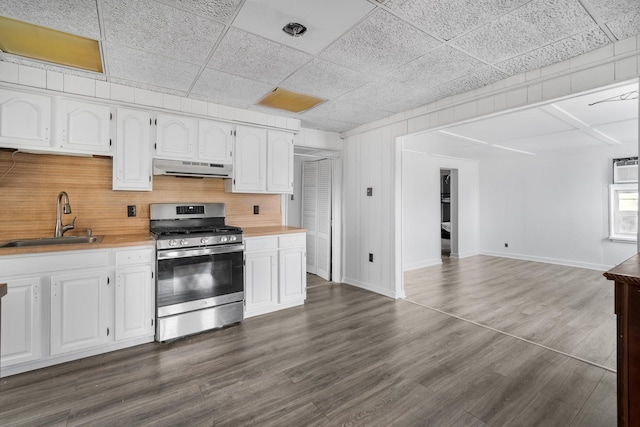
{"x":294,"y":207}
{"x":421,"y":205}
{"x":614,"y":63}
{"x":551,"y":207}
{"x":369,"y":222}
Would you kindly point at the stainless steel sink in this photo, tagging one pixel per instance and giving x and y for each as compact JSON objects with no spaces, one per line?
{"x":50,"y":241}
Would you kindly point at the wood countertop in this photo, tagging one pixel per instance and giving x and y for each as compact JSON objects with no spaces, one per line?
{"x":3,"y":289}
{"x":627,"y":272}
{"x":270,"y":230}
{"x":136,"y":240}
{"x":102,"y":243}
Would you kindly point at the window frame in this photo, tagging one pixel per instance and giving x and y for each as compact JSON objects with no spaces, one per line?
{"x":614,"y":189}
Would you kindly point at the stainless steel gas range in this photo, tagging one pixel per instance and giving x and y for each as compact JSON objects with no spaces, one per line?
{"x":200,"y":278}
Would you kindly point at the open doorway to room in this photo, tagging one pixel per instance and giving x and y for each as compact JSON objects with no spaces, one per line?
{"x":445,"y":212}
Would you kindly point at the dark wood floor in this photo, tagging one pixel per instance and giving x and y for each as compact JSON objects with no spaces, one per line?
{"x":348,"y":357}
{"x":565,"y":308}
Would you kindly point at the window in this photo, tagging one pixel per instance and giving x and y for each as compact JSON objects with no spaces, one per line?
{"x":623,"y":205}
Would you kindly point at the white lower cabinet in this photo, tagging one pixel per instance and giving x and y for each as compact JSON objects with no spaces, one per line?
{"x":79,"y":311}
{"x":62,"y":306}
{"x":275,"y":273}
{"x":134,"y":316}
{"x":261,"y":272}
{"x":21,"y":312}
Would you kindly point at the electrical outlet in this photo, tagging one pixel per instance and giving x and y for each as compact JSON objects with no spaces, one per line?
{"x":131,"y":210}
{"x":369,"y":191}
{"x":256,"y":209}
{"x":370,"y":257}
{"x":506,"y":245}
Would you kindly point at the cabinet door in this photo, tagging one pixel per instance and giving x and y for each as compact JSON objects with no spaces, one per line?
{"x":21,"y":321}
{"x":261,"y":281}
{"x":25,"y":120}
{"x":78,"y":311}
{"x":249,"y":160}
{"x":132,"y":160}
{"x":133,"y":310}
{"x":84,"y":127}
{"x":280,"y":162}
{"x":215,"y":141}
{"x":293,"y":275}
{"x":175,"y":137}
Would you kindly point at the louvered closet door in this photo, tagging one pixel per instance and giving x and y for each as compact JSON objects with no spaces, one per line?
{"x":309,"y":208}
{"x":316,"y":216}
{"x":323,"y":233}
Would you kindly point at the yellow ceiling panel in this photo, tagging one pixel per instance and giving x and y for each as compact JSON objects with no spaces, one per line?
{"x":290,"y":101}
{"x":44,"y":44}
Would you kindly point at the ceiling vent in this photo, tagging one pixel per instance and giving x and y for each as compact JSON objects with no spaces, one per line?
{"x":294,"y":29}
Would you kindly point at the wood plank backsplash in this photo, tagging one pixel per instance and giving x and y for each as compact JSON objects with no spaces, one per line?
{"x":29,"y":192}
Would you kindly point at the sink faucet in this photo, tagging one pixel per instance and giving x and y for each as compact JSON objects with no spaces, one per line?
{"x":60,"y":229}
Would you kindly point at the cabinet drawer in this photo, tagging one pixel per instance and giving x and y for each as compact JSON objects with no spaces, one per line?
{"x":293,"y":240}
{"x":260,"y":243}
{"x":136,"y":256}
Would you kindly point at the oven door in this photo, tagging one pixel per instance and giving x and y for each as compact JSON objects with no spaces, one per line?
{"x":198,"y":278}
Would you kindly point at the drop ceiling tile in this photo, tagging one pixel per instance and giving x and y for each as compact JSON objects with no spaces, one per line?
{"x":256,"y":58}
{"x":155,"y":70}
{"x":326,"y":124}
{"x":625,"y":132}
{"x":480,"y":77}
{"x":324,"y":79}
{"x":538,"y":23}
{"x":436,"y":67}
{"x":555,"y":52}
{"x":380,"y":43}
{"x":221,"y":11}
{"x":77,"y":17}
{"x":227,"y":89}
{"x":325,"y":20}
{"x":450,"y":18}
{"x":159,"y":29}
{"x":340,"y":111}
{"x":621,"y":16}
{"x":390,"y":96}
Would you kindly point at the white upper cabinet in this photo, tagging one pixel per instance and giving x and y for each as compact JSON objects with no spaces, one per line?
{"x":279,"y":162}
{"x":83,"y":127}
{"x":262,"y":161}
{"x":215,"y":141}
{"x":25,"y":120}
{"x":250,"y":160}
{"x":132,"y":159}
{"x":176,"y":137}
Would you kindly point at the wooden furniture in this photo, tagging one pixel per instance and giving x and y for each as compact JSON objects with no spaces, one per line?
{"x":627,"y":308}
{"x":3,"y":292}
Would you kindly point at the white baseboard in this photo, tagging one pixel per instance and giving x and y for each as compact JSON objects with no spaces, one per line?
{"x":422,"y":264}
{"x":568,"y":263}
{"x":373,"y":288}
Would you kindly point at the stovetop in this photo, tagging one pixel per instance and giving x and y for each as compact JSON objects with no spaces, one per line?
{"x":170,"y":232}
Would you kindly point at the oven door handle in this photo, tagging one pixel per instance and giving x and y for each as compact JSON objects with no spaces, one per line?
{"x":185,"y":253}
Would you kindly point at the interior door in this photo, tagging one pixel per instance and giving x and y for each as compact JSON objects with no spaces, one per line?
{"x":316,"y":216}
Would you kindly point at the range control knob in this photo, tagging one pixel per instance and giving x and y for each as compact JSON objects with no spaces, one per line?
{"x":172,"y":242}
{"x":223,"y":239}
{"x":183,"y":242}
{"x":204,"y":240}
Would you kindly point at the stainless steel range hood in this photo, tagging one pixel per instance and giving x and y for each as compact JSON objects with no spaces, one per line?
{"x":194,"y":169}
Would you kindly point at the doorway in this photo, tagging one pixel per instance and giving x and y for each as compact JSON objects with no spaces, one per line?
{"x":315,"y":206}
{"x":445,"y":212}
